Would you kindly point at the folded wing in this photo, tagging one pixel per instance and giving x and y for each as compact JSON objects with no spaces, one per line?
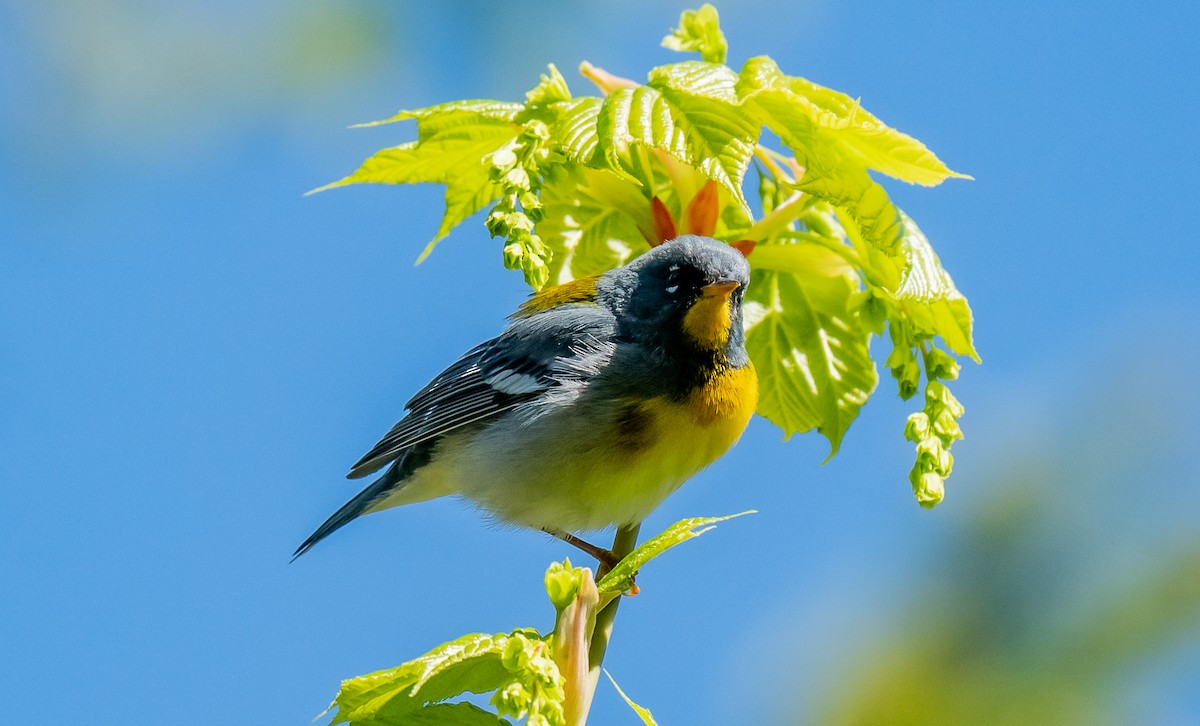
{"x":534,"y":355}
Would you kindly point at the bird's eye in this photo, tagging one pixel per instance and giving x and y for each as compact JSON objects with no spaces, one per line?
{"x":674,"y":278}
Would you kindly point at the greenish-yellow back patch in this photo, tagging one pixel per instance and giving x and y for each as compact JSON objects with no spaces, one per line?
{"x":582,"y":290}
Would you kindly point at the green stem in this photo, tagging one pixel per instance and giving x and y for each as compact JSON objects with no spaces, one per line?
{"x":623,"y":544}
{"x":642,"y":161}
{"x":923,"y":346}
{"x":768,"y":158}
{"x":777,"y":219}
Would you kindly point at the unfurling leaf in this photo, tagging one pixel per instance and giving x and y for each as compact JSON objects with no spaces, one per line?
{"x":620,"y":577}
{"x":552,"y":88}
{"x":699,"y":30}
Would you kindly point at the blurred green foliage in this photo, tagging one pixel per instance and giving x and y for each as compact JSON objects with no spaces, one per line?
{"x":153,"y":76}
{"x":1077,"y":574}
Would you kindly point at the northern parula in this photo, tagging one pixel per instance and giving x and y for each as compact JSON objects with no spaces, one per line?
{"x":600,"y":398}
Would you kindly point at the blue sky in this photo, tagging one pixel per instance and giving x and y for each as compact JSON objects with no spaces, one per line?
{"x":192,"y":353}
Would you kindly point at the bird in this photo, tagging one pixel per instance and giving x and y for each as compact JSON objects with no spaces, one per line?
{"x":600,"y":398}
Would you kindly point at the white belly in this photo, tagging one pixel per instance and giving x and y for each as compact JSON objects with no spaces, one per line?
{"x":575,"y":469}
{"x":591,"y":481}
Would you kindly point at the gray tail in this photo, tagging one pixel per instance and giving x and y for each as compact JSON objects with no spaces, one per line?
{"x":392,"y":479}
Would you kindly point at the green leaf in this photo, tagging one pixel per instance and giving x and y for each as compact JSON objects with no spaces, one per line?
{"x":699,"y":30}
{"x":470,"y":192}
{"x":929,"y":297}
{"x":810,"y":351}
{"x":574,"y":129}
{"x":468,"y":664}
{"x":588,"y":223}
{"x":830,"y":172}
{"x":641,"y":711}
{"x":700,"y":131}
{"x":835,"y":180}
{"x":450,"y":150}
{"x":720,"y":135}
{"x":620,"y":577}
{"x":710,"y":81}
{"x":836,"y":141}
{"x":432,"y":119}
{"x":843,"y":122}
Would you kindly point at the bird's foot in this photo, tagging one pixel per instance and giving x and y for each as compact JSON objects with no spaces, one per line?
{"x":606,"y":558}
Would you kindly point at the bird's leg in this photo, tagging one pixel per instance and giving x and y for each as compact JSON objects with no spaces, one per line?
{"x":606,"y":558}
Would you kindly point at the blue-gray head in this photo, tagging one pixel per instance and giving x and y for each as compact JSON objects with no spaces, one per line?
{"x":687,"y":293}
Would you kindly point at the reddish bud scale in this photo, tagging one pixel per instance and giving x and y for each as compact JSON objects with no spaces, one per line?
{"x":701,"y":215}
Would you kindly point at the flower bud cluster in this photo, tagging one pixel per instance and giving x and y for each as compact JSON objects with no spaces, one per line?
{"x":516,"y":168}
{"x":536,"y":690}
{"x":562,"y":583}
{"x":903,"y":363}
{"x":933,"y":430}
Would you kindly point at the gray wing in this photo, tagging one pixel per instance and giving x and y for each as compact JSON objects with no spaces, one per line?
{"x":534,"y":355}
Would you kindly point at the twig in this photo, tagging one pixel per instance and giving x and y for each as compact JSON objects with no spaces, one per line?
{"x":623,"y":544}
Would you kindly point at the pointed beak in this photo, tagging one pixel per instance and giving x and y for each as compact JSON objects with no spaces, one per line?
{"x":720,"y":288}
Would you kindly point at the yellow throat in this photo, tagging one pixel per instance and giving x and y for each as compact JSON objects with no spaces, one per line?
{"x":708,"y":320}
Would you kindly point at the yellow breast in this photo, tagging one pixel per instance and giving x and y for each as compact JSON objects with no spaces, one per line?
{"x":729,"y":396}
{"x":695,"y":433}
